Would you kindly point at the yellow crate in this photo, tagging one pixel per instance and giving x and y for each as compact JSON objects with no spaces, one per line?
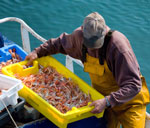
{"x":58,"y":118}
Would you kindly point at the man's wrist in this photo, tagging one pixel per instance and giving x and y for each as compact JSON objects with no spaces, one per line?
{"x":107,"y":102}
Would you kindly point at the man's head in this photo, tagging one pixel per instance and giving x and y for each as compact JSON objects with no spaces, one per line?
{"x":94,"y":30}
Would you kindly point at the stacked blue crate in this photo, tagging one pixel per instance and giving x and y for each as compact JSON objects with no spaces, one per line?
{"x":91,"y":122}
{"x":5,"y":55}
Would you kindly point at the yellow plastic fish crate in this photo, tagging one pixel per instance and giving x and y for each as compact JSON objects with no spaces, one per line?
{"x":54,"y":115}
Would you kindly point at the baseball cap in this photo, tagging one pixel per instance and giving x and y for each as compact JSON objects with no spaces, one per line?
{"x":94,"y":30}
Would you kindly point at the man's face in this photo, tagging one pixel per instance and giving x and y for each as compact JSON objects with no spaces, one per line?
{"x":94,"y":42}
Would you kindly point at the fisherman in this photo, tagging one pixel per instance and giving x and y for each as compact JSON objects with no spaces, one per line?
{"x":113,"y":68}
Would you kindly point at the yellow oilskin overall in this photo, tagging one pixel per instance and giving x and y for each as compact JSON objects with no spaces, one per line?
{"x":130,"y":114}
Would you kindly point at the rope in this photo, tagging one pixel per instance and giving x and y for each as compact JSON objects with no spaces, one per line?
{"x":9,"y":114}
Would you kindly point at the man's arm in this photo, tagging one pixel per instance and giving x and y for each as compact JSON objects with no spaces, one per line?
{"x":54,"y":45}
{"x":69,"y":44}
{"x":126,"y":72}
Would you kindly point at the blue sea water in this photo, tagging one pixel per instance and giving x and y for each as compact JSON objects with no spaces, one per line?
{"x":49,"y":18}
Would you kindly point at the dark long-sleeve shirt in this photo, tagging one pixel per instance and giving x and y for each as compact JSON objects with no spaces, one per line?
{"x":119,"y":57}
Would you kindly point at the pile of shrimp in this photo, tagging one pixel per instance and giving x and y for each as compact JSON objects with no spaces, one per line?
{"x":60,"y":92}
{"x":15,"y":58}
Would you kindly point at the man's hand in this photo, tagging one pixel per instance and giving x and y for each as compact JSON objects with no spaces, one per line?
{"x":31,"y":57}
{"x":99,"y":105}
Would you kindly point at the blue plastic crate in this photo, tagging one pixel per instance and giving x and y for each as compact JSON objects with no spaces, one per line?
{"x":91,"y":122}
{"x":5,"y":55}
{"x":2,"y":56}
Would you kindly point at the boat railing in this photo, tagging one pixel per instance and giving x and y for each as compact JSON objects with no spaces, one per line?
{"x":25,"y":30}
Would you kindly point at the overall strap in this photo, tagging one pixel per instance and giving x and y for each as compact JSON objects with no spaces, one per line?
{"x":103,"y":50}
{"x":84,"y":51}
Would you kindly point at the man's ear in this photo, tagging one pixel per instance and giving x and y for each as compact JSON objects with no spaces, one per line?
{"x":82,"y":27}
